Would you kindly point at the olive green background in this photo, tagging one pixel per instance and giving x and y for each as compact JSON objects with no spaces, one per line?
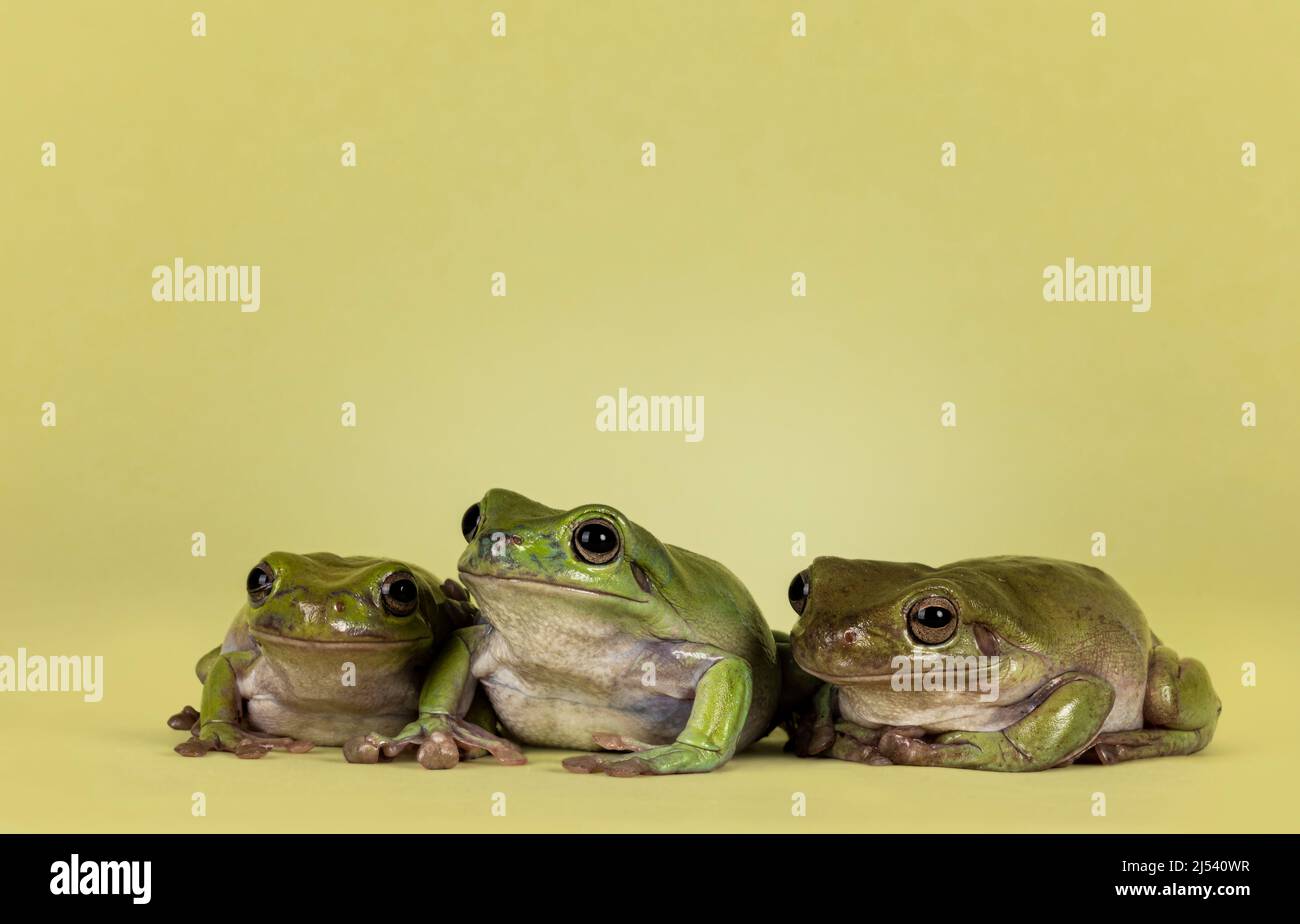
{"x":522,"y":155}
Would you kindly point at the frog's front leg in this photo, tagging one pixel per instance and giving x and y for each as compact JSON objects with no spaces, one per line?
{"x":1180,"y":712}
{"x":813,"y":732}
{"x":219,"y":722}
{"x":805,"y":704}
{"x":1070,"y":713}
{"x":722,"y":700}
{"x":443,"y":729}
{"x":188,"y":717}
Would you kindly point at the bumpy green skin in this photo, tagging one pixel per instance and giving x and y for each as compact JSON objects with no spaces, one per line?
{"x":1080,"y":674}
{"x":281,"y":679}
{"x":660,"y":652}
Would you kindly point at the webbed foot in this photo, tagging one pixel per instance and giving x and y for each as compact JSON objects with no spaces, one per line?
{"x":249,"y":745}
{"x":859,"y":744}
{"x":439,"y":741}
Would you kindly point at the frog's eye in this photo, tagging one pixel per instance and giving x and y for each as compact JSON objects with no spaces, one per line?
{"x":799,"y":590}
{"x":260,"y":581}
{"x":399,"y":593}
{"x":932,"y":620}
{"x":470,"y":522}
{"x":596,"y":541}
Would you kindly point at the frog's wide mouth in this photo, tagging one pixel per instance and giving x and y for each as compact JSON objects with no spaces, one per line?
{"x":277,"y":638}
{"x":845,"y":680}
{"x":566,"y":588}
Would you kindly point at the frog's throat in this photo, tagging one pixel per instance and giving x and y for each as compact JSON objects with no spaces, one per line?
{"x":563,"y":588}
{"x":276,"y":638}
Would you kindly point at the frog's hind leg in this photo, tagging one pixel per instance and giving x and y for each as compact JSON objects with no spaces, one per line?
{"x":1180,"y":713}
{"x":1115,"y":747}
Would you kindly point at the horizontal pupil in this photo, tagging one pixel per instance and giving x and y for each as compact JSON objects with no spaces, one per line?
{"x":935,"y":616}
{"x":402,"y":591}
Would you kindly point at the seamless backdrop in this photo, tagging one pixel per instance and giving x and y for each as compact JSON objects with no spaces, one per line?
{"x":522,"y":155}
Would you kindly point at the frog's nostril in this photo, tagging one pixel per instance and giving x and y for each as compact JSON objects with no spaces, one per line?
{"x":850,"y":636}
{"x":339,"y":606}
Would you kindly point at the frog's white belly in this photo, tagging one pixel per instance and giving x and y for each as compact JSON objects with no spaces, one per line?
{"x":331,"y":729}
{"x":621,"y":685}
{"x":311,"y":702}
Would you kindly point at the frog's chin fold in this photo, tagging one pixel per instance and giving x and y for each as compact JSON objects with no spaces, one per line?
{"x":473,"y":577}
{"x":276,"y":638}
{"x":841,"y":680}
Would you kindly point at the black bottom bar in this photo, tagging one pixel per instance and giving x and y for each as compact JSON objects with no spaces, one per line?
{"x":561,"y":874}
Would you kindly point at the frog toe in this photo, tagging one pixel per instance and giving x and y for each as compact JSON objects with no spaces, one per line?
{"x":633,"y":766}
{"x":185,"y":720}
{"x":609,"y":742}
{"x":469,"y":735}
{"x":438,"y":752}
{"x":587,"y":763}
{"x":193,"y":747}
{"x":363,"y":749}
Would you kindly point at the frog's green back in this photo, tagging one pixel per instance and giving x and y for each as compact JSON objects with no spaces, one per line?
{"x":717,"y":606}
{"x":719,"y":611}
{"x":1075,"y":612}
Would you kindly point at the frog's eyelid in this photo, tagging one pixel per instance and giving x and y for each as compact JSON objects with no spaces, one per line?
{"x":642,"y":579}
